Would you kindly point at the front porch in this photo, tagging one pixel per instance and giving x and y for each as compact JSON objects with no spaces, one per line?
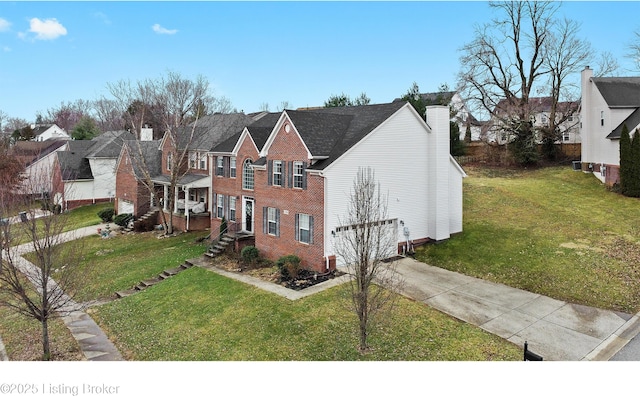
{"x":188,"y":203}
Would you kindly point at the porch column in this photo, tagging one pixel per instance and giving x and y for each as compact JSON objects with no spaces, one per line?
{"x":186,"y":206}
{"x":165,"y":198}
{"x":175,"y":199}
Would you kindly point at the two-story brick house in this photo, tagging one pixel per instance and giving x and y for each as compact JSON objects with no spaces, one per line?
{"x":293,"y":177}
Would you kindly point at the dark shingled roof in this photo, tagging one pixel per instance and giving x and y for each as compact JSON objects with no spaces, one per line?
{"x":259,"y":129}
{"x":151,"y":156}
{"x":74,"y":163}
{"x":213,"y":130}
{"x":109,"y":144}
{"x":619,"y":91}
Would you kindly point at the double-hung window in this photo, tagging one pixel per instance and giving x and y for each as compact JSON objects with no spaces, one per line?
{"x":277,"y":173}
{"x":304,"y":228}
{"x":232,"y":166}
{"x":232,"y":208}
{"x":220,"y":206}
{"x":203,"y":160}
{"x":193,"y":159}
{"x":169,"y":161}
{"x":298,"y":174}
{"x":271,"y":221}
{"x":219,"y":165}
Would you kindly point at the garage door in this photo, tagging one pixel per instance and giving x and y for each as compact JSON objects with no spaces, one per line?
{"x":387,"y":239}
{"x":125,"y":206}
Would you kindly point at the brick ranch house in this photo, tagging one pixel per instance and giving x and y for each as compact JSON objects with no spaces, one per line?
{"x":286,"y":178}
{"x":608,"y":103}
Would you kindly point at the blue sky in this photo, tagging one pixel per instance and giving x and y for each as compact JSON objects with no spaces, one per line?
{"x":255,"y":52}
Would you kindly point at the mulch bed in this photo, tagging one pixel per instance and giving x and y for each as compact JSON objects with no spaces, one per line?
{"x":271,"y":274}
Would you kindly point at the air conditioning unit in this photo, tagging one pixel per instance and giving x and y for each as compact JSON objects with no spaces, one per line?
{"x":577,"y":165}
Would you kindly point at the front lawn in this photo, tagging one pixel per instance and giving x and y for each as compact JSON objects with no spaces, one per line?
{"x":552,"y":231}
{"x":120,"y":262}
{"x":199,"y":315}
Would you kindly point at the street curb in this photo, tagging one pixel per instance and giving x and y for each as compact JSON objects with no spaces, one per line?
{"x":616,"y":341}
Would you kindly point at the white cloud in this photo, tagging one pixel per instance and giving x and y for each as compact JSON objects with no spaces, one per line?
{"x":4,"y":25}
{"x":48,"y":29}
{"x":160,"y":30}
{"x":6,"y":49}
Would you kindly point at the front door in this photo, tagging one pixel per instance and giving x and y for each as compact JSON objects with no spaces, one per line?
{"x":247,"y":224}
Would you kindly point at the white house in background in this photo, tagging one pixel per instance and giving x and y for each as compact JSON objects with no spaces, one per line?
{"x":541,"y":110}
{"x":42,"y":132}
{"x":38,"y":159}
{"x":85,"y":172}
{"x":608,"y":103}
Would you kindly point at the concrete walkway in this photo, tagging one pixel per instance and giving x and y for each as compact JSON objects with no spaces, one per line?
{"x":554,"y":329}
{"x":93,"y":342}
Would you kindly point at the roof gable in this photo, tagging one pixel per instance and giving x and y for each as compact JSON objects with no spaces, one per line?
{"x":619,"y":91}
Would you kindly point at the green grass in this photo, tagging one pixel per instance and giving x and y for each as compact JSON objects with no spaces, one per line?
{"x":551,"y":231}
{"x":83,"y":216}
{"x":199,"y":315}
{"x":119,"y":263}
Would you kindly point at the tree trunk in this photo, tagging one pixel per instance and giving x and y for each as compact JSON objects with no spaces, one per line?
{"x":46,"y":348}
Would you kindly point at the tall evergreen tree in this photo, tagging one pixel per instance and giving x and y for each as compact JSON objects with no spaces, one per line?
{"x":625,"y":160}
{"x":634,"y":186}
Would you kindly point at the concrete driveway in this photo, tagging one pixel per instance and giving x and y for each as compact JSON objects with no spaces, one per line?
{"x":554,"y":329}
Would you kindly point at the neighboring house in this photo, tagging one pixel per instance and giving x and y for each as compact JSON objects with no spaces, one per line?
{"x":37,"y":158}
{"x":191,"y":197}
{"x":132,"y":193}
{"x":42,"y":132}
{"x":541,"y":111}
{"x":85,"y":172}
{"x":294,"y":172}
{"x":608,"y":103}
{"x":460,"y":113}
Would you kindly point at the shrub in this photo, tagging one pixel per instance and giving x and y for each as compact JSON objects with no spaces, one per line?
{"x":250,"y":255}
{"x":123,"y":219}
{"x":106,"y":214}
{"x":57,"y":209}
{"x":289,"y":266}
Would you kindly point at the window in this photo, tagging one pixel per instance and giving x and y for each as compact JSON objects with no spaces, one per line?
{"x":232,"y":166}
{"x":277,"y":173}
{"x":247,"y":175}
{"x":203,"y":160}
{"x":193,"y":160}
{"x":565,"y":136}
{"x":232,"y":208}
{"x":272,"y":223}
{"x":169,"y":161}
{"x":220,"y":206}
{"x":304,"y":228}
{"x":298,"y":174}
{"x":193,"y":196}
{"x":602,"y":118}
{"x":219,"y":165}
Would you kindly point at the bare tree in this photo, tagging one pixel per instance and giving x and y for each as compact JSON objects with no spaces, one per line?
{"x":364,"y":242}
{"x":524,"y":50}
{"x":27,"y":287}
{"x":108,"y":116}
{"x":634,"y":49}
{"x":175,"y":104}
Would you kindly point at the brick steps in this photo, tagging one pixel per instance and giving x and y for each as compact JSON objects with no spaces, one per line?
{"x":150,"y":282}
